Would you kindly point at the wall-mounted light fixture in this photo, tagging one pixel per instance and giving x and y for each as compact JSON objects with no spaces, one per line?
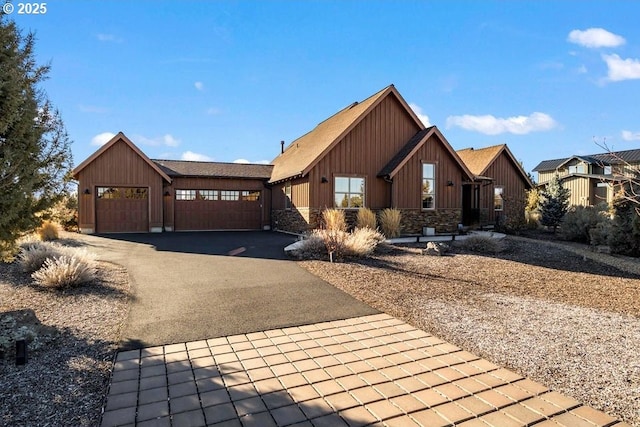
{"x":324,"y":180}
{"x":449,"y":183}
{"x":87,"y":191}
{"x":167,"y":194}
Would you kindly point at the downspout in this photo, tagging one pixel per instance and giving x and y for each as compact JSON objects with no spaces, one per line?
{"x":388,"y":179}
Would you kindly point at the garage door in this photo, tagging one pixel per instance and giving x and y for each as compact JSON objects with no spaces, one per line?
{"x":122,"y":209}
{"x":218,"y":210}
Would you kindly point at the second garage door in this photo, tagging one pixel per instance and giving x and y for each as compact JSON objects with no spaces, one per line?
{"x":218,"y":210}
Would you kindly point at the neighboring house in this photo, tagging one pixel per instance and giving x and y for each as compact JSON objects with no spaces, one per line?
{"x":121,"y":190}
{"x":375,"y":154}
{"x":501,"y":193}
{"x":591,"y":179}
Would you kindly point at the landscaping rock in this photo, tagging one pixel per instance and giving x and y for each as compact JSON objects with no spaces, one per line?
{"x":435,"y":249}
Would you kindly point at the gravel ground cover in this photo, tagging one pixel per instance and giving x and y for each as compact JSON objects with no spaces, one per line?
{"x":69,"y":362}
{"x":561,"y":315}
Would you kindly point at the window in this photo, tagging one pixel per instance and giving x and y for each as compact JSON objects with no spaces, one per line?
{"x":185,"y":194}
{"x":229,"y":195}
{"x":208,"y":194}
{"x":250,"y":196}
{"x":287,"y":195}
{"x":135,"y":193}
{"x":349,"y":192}
{"x":428,"y":186}
{"x":108,"y":193}
{"x":498,"y":201}
{"x":607,"y":170}
{"x":579,"y":168}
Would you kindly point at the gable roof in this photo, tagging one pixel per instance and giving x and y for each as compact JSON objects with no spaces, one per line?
{"x":615,"y":157}
{"x":479,"y":161}
{"x":305,"y":152}
{"x":184,"y":168}
{"x":119,"y":137}
{"x":412,"y":146}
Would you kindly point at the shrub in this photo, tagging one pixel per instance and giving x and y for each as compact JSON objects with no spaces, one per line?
{"x":624,"y":232}
{"x":334,"y":220}
{"x":390,"y":222}
{"x":480,"y":244}
{"x":362,"y":242}
{"x":48,"y":231}
{"x":366,"y":219}
{"x":65,"y":271}
{"x":65,"y":212}
{"x":33,"y":255}
{"x":580,"y":220}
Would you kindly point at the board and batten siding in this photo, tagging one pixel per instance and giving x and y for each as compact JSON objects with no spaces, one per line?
{"x":363,"y":152}
{"x":118,"y":166}
{"x":505,"y":174}
{"x":407,"y":184}
{"x":299,"y":194}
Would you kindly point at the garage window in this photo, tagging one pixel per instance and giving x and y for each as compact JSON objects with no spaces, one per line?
{"x":185,"y":194}
{"x":250,"y":196}
{"x":208,"y":194}
{"x":108,"y":193}
{"x":135,"y":193}
{"x":231,"y":195}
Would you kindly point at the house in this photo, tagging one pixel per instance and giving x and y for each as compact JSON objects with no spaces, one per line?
{"x":375,"y":153}
{"x":121,"y":190}
{"x":501,"y":193}
{"x":591,"y":179}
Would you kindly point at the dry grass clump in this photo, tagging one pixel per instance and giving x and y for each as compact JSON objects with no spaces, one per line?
{"x":366,"y":219}
{"x":480,"y":244}
{"x":390,"y":222}
{"x":334,"y":220}
{"x":339,"y":244}
{"x":48,"y":231}
{"x":362,"y":242}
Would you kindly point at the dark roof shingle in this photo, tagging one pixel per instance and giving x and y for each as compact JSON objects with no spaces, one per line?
{"x":404,"y":152}
{"x":176,"y":168}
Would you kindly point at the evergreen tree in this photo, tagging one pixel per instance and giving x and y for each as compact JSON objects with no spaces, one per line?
{"x":624,"y":232}
{"x":35,"y":155}
{"x":554,"y":203}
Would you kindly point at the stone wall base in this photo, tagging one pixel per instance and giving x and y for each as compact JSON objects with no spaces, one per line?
{"x":443,"y":220}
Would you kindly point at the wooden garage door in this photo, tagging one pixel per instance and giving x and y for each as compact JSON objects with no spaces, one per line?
{"x":218,"y":210}
{"x":122,"y":210}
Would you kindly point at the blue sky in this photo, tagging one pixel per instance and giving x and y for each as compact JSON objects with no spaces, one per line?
{"x":226,"y":81}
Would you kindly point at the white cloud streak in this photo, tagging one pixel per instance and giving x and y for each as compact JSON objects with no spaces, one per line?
{"x":245,"y":161}
{"x":621,"y":69}
{"x":102,"y":138}
{"x":595,"y":37}
{"x":423,"y":117}
{"x":199,"y":86}
{"x":628,"y":135}
{"x":491,"y":125}
{"x":166,"y":140}
{"x":191,"y":156}
{"x":110,"y":38}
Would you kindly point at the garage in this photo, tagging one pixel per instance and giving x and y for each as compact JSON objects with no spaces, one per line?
{"x":217,"y":210}
{"x":122,"y":209}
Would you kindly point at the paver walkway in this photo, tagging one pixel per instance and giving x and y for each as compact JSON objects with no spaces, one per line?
{"x":370,"y":370}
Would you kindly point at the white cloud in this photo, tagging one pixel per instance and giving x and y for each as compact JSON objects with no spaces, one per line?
{"x":627,"y":135}
{"x":491,"y":125}
{"x":199,"y":86}
{"x":622,"y":69}
{"x":213,"y":111}
{"x":595,"y":37}
{"x":245,"y":161}
{"x":102,"y":138}
{"x":109,"y":38}
{"x":190,"y":155}
{"x":167,"y":140}
{"x":582,"y":69}
{"x":423,"y":117}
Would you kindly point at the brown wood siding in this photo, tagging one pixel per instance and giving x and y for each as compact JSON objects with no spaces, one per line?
{"x":505,"y":175}
{"x":219,"y":214}
{"x":364,"y":152}
{"x":119,"y":166}
{"x":407,"y":184}
{"x":299,"y":194}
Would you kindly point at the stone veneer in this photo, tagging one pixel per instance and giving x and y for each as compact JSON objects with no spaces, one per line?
{"x":443,"y":220}
{"x":297,"y":220}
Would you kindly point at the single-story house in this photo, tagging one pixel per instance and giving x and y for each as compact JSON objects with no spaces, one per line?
{"x":591,"y":179}
{"x":501,"y":193}
{"x":375,"y":153}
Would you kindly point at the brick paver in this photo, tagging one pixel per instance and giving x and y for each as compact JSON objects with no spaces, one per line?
{"x":371,"y":370}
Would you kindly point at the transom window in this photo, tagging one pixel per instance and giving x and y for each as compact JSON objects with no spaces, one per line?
{"x":208,"y":194}
{"x":185,"y":194}
{"x":108,"y":193}
{"x":229,"y":195}
{"x":349,"y":192}
{"x":428,"y":186}
{"x":250,"y":196}
{"x":498,"y":200}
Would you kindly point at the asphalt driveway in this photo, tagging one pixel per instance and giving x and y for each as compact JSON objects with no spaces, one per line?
{"x":199,"y":285}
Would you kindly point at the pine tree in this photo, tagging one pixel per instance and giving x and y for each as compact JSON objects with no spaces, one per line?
{"x":35,"y":155}
{"x":554,"y":203}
